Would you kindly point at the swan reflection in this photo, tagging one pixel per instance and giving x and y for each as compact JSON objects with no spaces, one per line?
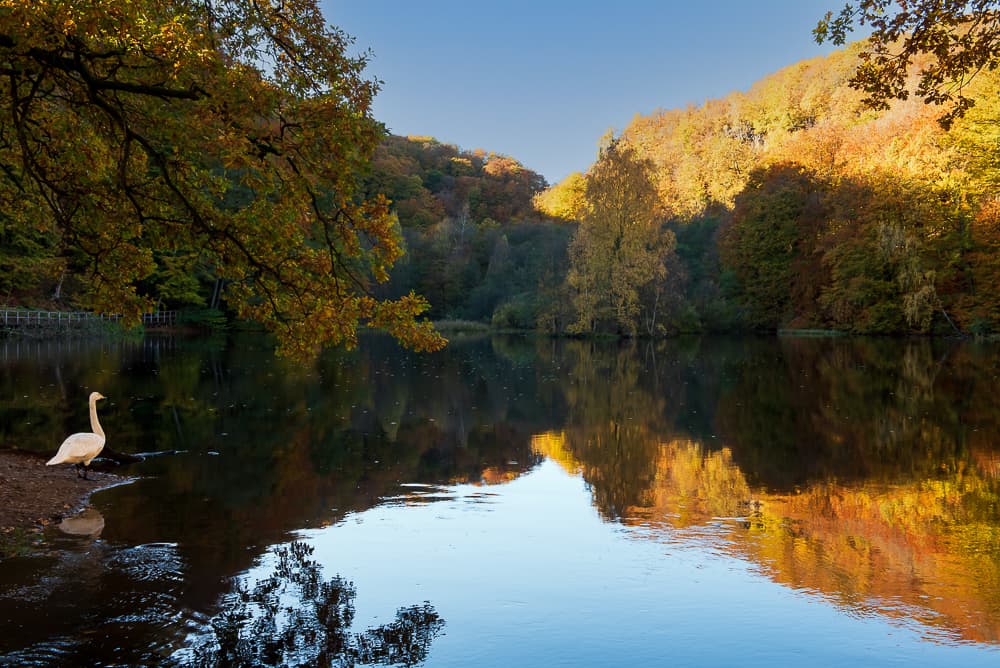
{"x":90,"y":523}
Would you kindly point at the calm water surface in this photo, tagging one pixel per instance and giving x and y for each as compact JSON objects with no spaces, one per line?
{"x":517,"y":502}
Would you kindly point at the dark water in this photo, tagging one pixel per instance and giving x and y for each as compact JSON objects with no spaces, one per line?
{"x":518,"y":502}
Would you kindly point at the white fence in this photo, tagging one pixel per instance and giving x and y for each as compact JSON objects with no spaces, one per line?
{"x":21,"y":318}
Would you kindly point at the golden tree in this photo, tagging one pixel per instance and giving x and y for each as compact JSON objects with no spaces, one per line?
{"x":619,"y":247}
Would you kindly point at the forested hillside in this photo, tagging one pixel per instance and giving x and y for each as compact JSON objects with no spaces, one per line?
{"x":796,"y":206}
{"x":476,"y":246}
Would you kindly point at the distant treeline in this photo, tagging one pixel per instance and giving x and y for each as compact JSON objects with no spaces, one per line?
{"x":791,"y":205}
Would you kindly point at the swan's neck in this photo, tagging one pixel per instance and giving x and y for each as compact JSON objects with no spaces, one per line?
{"x":94,"y":424}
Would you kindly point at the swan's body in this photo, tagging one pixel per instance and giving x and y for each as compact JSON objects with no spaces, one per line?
{"x":81,"y":448}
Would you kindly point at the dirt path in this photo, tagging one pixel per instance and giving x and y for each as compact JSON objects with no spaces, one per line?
{"x":33,"y":494}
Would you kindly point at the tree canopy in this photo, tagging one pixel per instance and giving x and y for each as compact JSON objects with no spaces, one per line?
{"x":230,"y":133}
{"x":795,"y":205}
{"x":961,"y":38}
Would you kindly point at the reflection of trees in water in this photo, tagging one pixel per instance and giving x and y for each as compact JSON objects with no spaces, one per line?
{"x":612,"y":425}
{"x":857,"y":410}
{"x":296,"y":443}
{"x":294,"y":618}
{"x":792,"y":412}
{"x":854,"y":442}
{"x":925,"y":549}
{"x":863,"y":470}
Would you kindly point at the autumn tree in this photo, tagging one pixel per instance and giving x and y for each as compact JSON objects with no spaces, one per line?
{"x":949,"y":42}
{"x":619,"y":247}
{"x":236,"y":128}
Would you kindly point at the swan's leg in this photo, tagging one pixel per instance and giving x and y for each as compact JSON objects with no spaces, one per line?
{"x":77,"y":468}
{"x":85,"y":468}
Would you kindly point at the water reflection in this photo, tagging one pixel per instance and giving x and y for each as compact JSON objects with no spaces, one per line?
{"x":295,"y":618}
{"x":264,"y":449}
{"x":862,"y":472}
{"x":88,"y":523}
{"x":91,"y":603}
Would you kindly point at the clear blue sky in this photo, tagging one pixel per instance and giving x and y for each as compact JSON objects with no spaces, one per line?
{"x":542,"y":80}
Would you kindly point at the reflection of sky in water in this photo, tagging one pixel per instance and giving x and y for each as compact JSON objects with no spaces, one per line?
{"x":534,"y":577}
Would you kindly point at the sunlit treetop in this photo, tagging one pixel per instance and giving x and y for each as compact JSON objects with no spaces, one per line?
{"x":961,"y":38}
{"x":565,"y":200}
{"x":236,"y":128}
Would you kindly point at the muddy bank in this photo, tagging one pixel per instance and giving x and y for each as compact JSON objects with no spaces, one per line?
{"x":33,"y":494}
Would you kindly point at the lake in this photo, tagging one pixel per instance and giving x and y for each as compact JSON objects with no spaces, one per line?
{"x":517,"y":502}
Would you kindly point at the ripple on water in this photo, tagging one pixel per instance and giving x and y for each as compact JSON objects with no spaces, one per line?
{"x":57,"y":652}
{"x":97,"y":600}
{"x":420,"y":494}
{"x":152,"y":561}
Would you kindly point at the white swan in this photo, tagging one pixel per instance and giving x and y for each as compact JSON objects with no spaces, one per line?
{"x":80,"y":448}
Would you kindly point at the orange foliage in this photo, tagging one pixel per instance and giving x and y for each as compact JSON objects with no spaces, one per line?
{"x":902,"y":550}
